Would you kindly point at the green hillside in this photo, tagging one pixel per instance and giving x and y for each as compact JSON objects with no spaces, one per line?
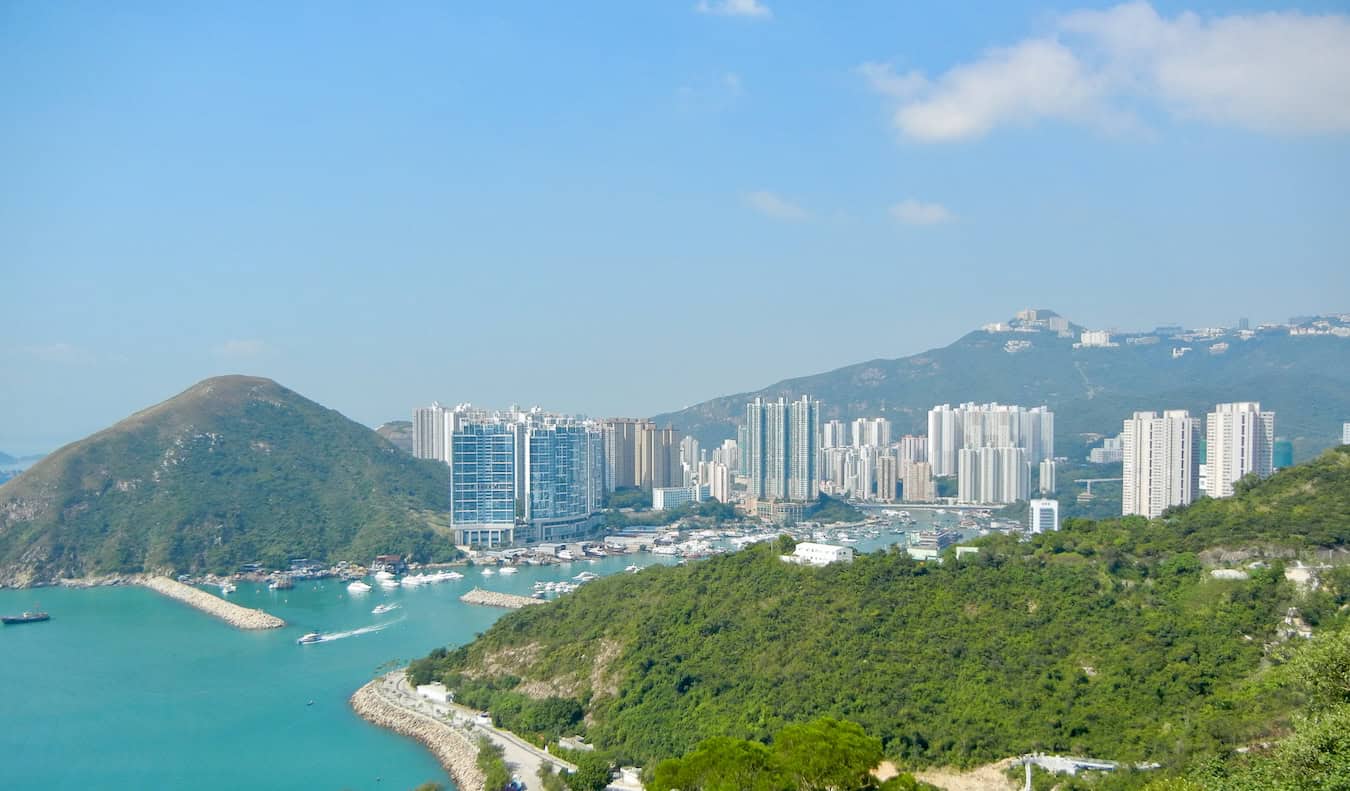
{"x":235,"y":469}
{"x":1108,"y":639}
{"x":1306,"y":380}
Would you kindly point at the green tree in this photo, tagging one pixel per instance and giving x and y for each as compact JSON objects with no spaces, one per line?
{"x":592,"y":773}
{"x":828,"y":754}
{"x":723,"y":764}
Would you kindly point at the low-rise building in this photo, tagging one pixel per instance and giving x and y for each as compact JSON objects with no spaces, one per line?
{"x":808,"y":553}
{"x":675,"y":496}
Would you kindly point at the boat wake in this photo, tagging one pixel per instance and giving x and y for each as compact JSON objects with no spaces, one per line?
{"x":379,"y":627}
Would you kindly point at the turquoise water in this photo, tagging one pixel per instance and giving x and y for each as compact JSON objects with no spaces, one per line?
{"x":126,"y":689}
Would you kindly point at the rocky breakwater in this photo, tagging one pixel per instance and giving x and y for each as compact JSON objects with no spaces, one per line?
{"x":233,"y":614}
{"x":379,"y":703}
{"x":494,"y":599}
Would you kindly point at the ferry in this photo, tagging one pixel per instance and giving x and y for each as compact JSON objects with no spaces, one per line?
{"x":312,"y":637}
{"x":359,"y":587}
{"x":30,"y":616}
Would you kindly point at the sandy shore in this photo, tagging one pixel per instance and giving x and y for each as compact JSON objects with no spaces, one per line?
{"x":452,"y":747}
{"x":233,"y":614}
{"x":494,"y":599}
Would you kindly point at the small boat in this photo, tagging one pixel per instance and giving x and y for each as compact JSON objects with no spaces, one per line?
{"x":312,"y":637}
{"x":384,"y":608}
{"x":389,"y":584}
{"x":29,"y":616}
{"x":509,"y":570}
{"x":383,"y":575}
{"x":586,"y":576}
{"x":488,"y":572}
{"x":358,"y":587}
{"x":631,"y":569}
{"x":454,"y":575}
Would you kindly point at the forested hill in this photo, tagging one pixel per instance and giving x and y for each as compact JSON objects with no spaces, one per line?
{"x":1306,"y":380}
{"x":1107,"y":639}
{"x":234,"y":469}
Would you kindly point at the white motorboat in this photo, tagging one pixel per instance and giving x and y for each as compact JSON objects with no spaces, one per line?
{"x":488,"y":572}
{"x":227,"y":587}
{"x":389,"y":584}
{"x":383,"y":575}
{"x":509,"y":570}
{"x":359,"y":587}
{"x":384,"y":608}
{"x":454,"y":575}
{"x":312,"y":637}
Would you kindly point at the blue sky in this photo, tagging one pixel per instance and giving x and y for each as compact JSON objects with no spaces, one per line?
{"x":625,"y":208}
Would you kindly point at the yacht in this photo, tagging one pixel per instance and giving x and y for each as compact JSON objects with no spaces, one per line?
{"x":509,"y":570}
{"x":383,"y":575}
{"x":454,"y":575}
{"x":312,"y":637}
{"x":228,"y":587}
{"x":389,"y":584}
{"x":566,"y":554}
{"x":358,"y":587}
{"x":384,"y":608}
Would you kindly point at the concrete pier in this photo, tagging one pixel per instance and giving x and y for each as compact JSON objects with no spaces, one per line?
{"x":233,"y":614}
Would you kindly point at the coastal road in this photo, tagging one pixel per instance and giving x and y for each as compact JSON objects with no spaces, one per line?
{"x":523,"y":758}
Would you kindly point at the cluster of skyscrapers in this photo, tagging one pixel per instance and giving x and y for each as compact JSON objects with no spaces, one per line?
{"x":992,"y":449}
{"x":1161,"y":455}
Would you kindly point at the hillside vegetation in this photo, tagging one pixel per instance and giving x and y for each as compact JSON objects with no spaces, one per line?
{"x":1107,"y":639}
{"x":1305,"y":380}
{"x":235,"y":469}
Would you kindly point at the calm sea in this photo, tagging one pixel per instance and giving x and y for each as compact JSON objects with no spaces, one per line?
{"x":125,"y":689}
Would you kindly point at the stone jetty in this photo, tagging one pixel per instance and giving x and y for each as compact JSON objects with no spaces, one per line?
{"x":233,"y":614}
{"x":451,"y":746}
{"x":495,"y":599}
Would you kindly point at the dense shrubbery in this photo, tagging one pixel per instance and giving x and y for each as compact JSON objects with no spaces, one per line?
{"x":1106,"y":639}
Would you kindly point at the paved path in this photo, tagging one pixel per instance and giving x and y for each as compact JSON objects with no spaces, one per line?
{"x":523,"y":758}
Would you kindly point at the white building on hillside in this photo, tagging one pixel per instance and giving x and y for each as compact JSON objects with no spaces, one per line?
{"x":819,"y":554}
{"x":1043,"y":515}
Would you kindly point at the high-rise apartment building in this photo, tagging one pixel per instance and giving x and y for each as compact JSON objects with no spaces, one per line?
{"x":1239,"y":439}
{"x":1046,"y":477}
{"x":913,"y":448}
{"x":1345,"y":433}
{"x":782,"y":448}
{"x":993,"y":475}
{"x":916,"y":482}
{"x":833,"y":434}
{"x":970,"y":425}
{"x":523,"y":476}
{"x":871,"y":432}
{"x":888,"y":477}
{"x":431,"y":432}
{"x":641,"y":455}
{"x":1160,"y":465}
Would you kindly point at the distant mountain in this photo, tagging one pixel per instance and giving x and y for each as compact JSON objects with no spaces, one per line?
{"x":235,"y":469}
{"x":1305,"y":379}
{"x":399,"y":432}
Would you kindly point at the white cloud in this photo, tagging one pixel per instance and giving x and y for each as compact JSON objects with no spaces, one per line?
{"x":59,"y":352}
{"x":1284,"y":72}
{"x":772,"y":205}
{"x":746,"y":8}
{"x":913,"y":212}
{"x":239,"y":348}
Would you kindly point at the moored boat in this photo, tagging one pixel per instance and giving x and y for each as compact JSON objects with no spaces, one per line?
{"x":29,"y":616}
{"x":359,"y":587}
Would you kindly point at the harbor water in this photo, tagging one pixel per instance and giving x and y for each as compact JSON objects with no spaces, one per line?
{"x":126,"y":689}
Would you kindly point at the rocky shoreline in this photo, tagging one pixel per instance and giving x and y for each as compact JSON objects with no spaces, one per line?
{"x":452,"y":748}
{"x":495,"y":599}
{"x":233,"y":614}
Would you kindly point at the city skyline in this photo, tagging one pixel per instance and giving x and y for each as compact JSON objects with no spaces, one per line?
{"x":295,"y":198}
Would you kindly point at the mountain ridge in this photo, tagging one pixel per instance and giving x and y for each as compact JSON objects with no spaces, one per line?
{"x":1304,"y":379}
{"x":234,"y":469}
